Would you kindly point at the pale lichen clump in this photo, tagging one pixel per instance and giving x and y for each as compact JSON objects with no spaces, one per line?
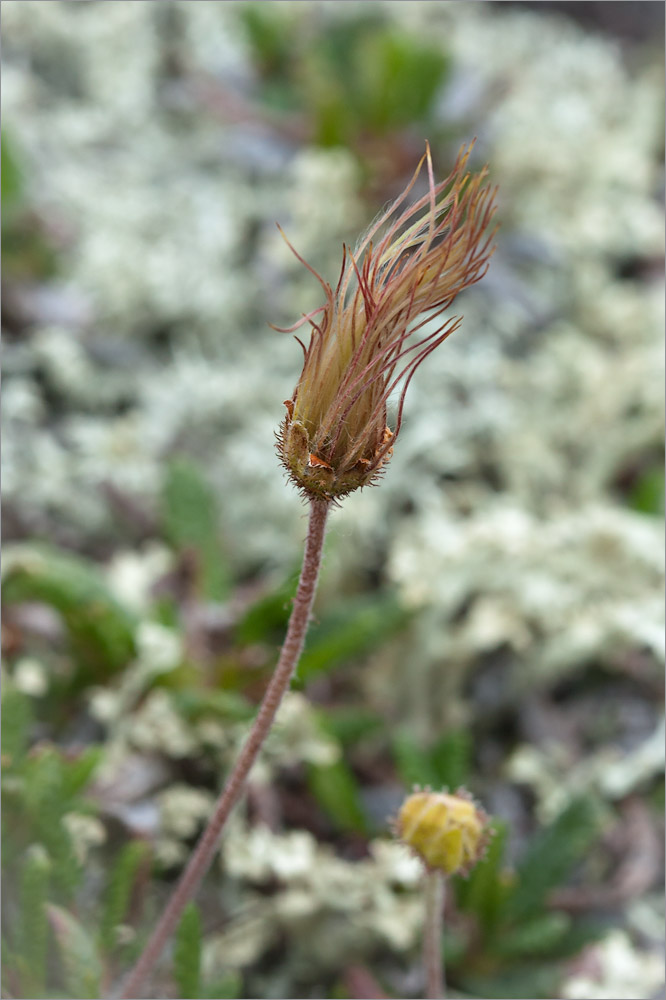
{"x":348,"y":906}
{"x":335,"y":437}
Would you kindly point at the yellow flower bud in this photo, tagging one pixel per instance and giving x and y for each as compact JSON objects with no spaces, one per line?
{"x":449,"y":833}
{"x":365,"y":342}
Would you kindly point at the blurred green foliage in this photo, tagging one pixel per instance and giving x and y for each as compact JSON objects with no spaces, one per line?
{"x":100,"y":630}
{"x":26,"y":252}
{"x":54,"y":943}
{"x":519,"y":942}
{"x":336,"y":789}
{"x":507,"y":933}
{"x":350,"y":629}
{"x":81,"y":964}
{"x":40,"y":787}
{"x":187,"y":954}
{"x":76,"y":915}
{"x":444,"y":765}
{"x":190,"y":518}
{"x":10,"y":177}
{"x":33,"y":929}
{"x":647,"y":495}
{"x":507,"y":941}
{"x":358,"y":80}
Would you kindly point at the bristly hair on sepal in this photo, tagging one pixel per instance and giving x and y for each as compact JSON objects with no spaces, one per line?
{"x":367,"y":340}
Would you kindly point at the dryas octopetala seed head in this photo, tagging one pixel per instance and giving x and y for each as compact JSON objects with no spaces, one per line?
{"x":368,"y":338}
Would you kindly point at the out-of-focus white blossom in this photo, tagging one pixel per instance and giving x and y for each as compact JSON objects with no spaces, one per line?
{"x":86,"y":832}
{"x":615,"y":969}
{"x":31,"y":677}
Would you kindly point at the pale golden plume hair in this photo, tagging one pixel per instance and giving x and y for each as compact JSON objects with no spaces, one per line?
{"x":364,"y":340}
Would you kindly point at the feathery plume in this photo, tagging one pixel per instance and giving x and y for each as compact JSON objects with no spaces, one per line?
{"x":364,"y":341}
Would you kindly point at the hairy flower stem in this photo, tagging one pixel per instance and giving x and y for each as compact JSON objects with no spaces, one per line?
{"x":432,"y":938}
{"x":202,"y":856}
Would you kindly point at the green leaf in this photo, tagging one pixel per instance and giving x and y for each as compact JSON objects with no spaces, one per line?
{"x":451,"y":757}
{"x":81,"y":963}
{"x":337,"y":48}
{"x":101,"y":631}
{"x":195,"y":704}
{"x":537,"y":937}
{"x":46,"y":806}
{"x":67,"y":871}
{"x":189,"y":508}
{"x":16,"y":722}
{"x":270,"y":34}
{"x":119,"y":891}
{"x":267,"y":618}
{"x":77,"y":773}
{"x":43,"y":780}
{"x":579,"y":934}
{"x":647,"y":495}
{"x":333,"y":121}
{"x":350,"y":630}
{"x":414,"y":764}
{"x":11,"y":179}
{"x":351,"y":725}
{"x":487,"y":886}
{"x":187,"y":954}
{"x":398,"y":77}
{"x":444,"y":765}
{"x":335,"y":789}
{"x":550,"y":857}
{"x":33,"y":922}
{"x":25,"y":252}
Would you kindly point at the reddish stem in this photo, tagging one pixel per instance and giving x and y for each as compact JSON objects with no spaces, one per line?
{"x":203,"y":853}
{"x":432,"y":938}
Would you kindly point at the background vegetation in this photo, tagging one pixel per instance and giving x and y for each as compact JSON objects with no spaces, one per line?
{"x":492,"y":615}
